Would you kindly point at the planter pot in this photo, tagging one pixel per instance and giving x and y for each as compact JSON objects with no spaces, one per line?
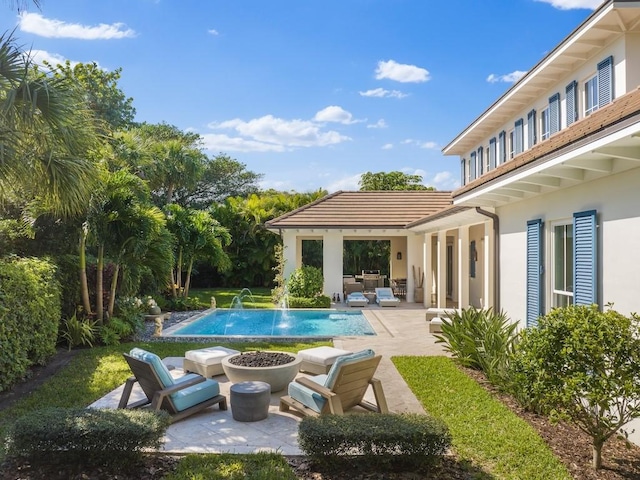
{"x":418,"y":295}
{"x":278,"y":376}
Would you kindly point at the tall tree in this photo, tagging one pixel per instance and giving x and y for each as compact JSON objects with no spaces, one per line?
{"x":391,"y":181}
{"x":46,"y":134}
{"x":101,"y":93}
{"x":198,"y":236}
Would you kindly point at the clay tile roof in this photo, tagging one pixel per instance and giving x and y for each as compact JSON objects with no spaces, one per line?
{"x":373,"y":209}
{"x":620,"y":109}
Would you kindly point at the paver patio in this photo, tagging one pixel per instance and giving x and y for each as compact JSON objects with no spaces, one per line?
{"x":400,"y":331}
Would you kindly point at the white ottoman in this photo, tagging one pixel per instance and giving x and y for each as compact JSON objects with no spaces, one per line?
{"x":206,"y":361}
{"x":318,"y":360}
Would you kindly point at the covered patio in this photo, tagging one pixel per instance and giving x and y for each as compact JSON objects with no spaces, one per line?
{"x":445,"y":254}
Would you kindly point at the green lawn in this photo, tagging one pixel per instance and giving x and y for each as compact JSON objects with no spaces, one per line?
{"x":260,"y":297}
{"x":483,"y":430}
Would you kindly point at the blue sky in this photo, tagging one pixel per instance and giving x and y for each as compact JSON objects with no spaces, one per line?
{"x":311,"y":94}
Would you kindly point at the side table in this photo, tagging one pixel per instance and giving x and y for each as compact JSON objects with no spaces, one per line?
{"x":250,"y":401}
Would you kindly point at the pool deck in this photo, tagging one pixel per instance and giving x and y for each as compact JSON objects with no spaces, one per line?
{"x":400,"y":331}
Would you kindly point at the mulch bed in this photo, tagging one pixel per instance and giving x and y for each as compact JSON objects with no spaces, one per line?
{"x":621,"y":461}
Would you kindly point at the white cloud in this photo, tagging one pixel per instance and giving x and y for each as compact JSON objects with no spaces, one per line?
{"x":387,"y":146}
{"x":381,"y":93}
{"x":224,"y":143}
{"x":346,"y":183}
{"x":269,"y":133}
{"x":379,"y":124}
{"x":40,"y":56}
{"x":401,"y":72}
{"x":573,"y":4}
{"x":213,"y":32}
{"x":429,"y":145}
{"x":336,"y":114}
{"x":444,"y":181}
{"x":51,"y":28}
{"x":508,"y":78}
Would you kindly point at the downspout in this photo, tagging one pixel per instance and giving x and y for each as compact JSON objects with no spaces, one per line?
{"x":496,"y":255}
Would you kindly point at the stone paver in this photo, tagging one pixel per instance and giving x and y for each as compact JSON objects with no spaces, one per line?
{"x":400,"y":331}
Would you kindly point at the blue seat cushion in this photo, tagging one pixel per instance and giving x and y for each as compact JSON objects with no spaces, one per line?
{"x":308,"y":397}
{"x":198,"y":393}
{"x":161,"y":369}
{"x":344,"y":360}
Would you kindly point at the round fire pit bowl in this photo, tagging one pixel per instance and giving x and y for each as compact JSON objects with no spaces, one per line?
{"x":262,"y":367}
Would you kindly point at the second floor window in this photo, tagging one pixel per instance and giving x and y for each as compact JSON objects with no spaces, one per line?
{"x":591,"y":95}
{"x":512,"y":144}
{"x":545,"y":125}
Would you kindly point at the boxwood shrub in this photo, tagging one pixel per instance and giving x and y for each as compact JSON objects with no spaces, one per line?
{"x":383,"y":442}
{"x":85,"y":435}
{"x":29,"y":316}
{"x":321,"y":301}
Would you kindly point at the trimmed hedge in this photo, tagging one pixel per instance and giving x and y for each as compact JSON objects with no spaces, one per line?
{"x":384,"y":442}
{"x":321,"y":301}
{"x":86,"y":436}
{"x":29,"y":316}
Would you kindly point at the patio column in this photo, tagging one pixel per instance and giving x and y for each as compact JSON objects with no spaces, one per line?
{"x":428,"y":270}
{"x":414,"y":261}
{"x":463,"y":267}
{"x":487,"y":271}
{"x":332,"y":252}
{"x":442,"y":269}
{"x":290,"y":244}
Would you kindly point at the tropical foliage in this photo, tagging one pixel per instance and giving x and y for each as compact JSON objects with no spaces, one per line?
{"x":583,"y":365}
{"x":391,"y":181}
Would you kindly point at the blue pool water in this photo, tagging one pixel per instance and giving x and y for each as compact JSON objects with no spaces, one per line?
{"x":278,"y":323}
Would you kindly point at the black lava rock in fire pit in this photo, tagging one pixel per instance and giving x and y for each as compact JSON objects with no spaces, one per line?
{"x":261,"y":359}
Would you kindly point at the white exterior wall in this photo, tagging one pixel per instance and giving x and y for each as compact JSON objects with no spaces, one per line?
{"x":616,"y":200}
{"x":632,"y":67}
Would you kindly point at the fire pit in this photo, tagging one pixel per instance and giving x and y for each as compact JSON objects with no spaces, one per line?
{"x":275,"y":368}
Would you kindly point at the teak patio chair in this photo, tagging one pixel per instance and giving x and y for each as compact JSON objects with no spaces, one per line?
{"x":342,"y":388}
{"x":180,"y":397}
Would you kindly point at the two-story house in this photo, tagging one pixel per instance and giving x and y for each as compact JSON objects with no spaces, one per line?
{"x":556,"y":159}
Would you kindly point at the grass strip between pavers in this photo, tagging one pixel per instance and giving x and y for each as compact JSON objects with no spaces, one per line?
{"x":484,"y":431}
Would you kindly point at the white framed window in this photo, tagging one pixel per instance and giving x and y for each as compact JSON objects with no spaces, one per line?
{"x":487,"y":158}
{"x":545,"y":124}
{"x":512,"y":144}
{"x":562,"y":271}
{"x":591,"y":103}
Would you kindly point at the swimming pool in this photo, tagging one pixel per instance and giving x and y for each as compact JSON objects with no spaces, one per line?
{"x":275,"y":323}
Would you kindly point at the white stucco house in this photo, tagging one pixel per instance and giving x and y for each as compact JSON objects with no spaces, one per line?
{"x":548,"y":212}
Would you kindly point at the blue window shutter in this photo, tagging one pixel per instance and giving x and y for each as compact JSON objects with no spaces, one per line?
{"x":605,"y":82}
{"x":531,"y":128}
{"x":554,"y":113}
{"x":534,"y":272}
{"x":519,"y":136}
{"x":472,"y":259}
{"x":492,"y":153}
{"x":480,"y":160}
{"x":463,"y":171}
{"x":502,"y":136}
{"x":584,"y":258}
{"x":572,"y":102}
{"x":472,"y":167}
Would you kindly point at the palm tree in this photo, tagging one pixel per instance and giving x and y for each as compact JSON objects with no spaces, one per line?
{"x":46,"y":132}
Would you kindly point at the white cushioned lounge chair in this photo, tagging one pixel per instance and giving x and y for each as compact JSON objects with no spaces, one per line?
{"x":386,"y":298}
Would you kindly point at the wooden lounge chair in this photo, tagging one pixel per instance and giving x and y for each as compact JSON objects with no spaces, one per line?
{"x":180,"y":397}
{"x":342,"y":388}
